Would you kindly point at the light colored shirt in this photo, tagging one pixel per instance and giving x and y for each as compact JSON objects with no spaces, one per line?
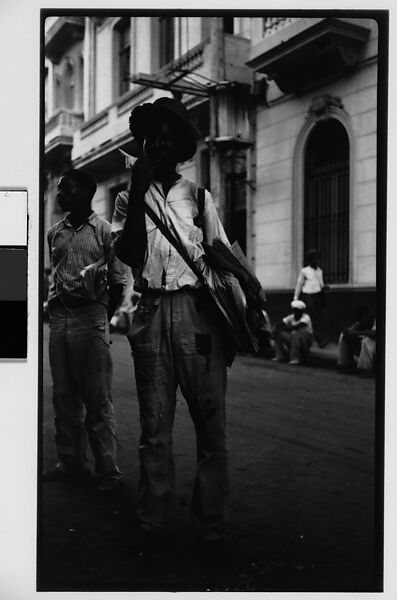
{"x":71,"y":250}
{"x":305,"y":319}
{"x":310,"y":281}
{"x":163,"y":267}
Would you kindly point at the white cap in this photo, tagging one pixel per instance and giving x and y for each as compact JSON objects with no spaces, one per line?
{"x":298,"y":304}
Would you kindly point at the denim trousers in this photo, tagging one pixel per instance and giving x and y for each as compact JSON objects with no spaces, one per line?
{"x":81,"y":368}
{"x":176,"y":341}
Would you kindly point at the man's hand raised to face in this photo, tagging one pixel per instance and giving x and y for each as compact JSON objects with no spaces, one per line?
{"x":141,"y":175}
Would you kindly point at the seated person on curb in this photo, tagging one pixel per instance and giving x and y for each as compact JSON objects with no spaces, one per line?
{"x":367,"y":357}
{"x":293,"y":336}
{"x":357,"y":344}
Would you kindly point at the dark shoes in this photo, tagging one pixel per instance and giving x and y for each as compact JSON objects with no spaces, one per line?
{"x":61,"y":474}
{"x":104,"y":485}
{"x":108,"y":485}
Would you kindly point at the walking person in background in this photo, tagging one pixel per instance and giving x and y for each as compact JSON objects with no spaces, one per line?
{"x":175,"y":336}
{"x":293,"y":336}
{"x":311,"y":289}
{"x":87,"y":286}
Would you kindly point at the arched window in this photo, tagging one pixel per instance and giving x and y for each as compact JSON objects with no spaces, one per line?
{"x":326,"y":203}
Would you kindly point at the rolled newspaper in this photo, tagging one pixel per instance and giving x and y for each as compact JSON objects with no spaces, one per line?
{"x":94,"y":277}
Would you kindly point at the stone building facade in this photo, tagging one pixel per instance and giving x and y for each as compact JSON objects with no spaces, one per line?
{"x":286,"y":110}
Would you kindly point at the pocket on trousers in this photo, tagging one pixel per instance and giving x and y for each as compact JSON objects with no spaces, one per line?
{"x":102,"y":329}
{"x":142,"y":319}
{"x":203,"y":344}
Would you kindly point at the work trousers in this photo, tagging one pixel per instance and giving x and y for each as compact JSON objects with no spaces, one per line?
{"x":293,"y":344}
{"x":348,"y":348}
{"x":317,"y":310}
{"x":81,"y":367}
{"x":176,"y":341}
{"x":367,"y":356}
{"x":363,"y":348}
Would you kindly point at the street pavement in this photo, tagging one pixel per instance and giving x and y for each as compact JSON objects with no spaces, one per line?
{"x":303,"y":491}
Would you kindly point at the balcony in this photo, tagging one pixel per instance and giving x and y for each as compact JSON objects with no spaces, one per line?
{"x":176,"y":76}
{"x":305,"y":52}
{"x":272,"y":25}
{"x":64,"y":32}
{"x":59,"y":130}
{"x":96,"y":142}
{"x":193,"y":73}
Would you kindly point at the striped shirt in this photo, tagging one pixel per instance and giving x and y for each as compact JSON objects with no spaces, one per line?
{"x":164,"y":268}
{"x":71,"y":250}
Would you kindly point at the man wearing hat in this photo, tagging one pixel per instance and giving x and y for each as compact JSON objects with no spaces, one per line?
{"x":293,"y":335}
{"x":175,"y":338}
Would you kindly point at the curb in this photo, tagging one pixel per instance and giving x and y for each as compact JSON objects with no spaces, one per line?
{"x":318,"y":357}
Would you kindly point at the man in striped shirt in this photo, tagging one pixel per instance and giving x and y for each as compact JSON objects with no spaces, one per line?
{"x":88,"y":281}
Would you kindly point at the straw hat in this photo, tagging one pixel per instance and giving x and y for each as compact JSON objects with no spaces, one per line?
{"x":141,"y":116}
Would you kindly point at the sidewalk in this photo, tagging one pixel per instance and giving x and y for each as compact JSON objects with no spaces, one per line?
{"x":324,"y":357}
{"x":319,"y":357}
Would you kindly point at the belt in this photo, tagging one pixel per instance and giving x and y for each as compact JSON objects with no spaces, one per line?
{"x":186,"y":289}
{"x":71,"y":302}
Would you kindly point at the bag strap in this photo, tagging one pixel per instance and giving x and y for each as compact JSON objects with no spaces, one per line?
{"x":200,"y":200}
{"x":199,"y":219}
{"x":172,"y":239}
